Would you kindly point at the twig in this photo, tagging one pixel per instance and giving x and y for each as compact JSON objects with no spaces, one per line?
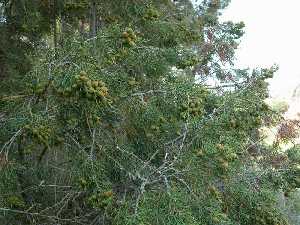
{"x":40,"y":215}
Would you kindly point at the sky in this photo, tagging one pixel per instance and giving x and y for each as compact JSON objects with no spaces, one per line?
{"x":272,"y":36}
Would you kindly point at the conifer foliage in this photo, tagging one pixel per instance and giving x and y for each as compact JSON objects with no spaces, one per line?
{"x":118,"y":123}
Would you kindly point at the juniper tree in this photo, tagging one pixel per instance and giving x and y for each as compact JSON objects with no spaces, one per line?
{"x":125,"y":128}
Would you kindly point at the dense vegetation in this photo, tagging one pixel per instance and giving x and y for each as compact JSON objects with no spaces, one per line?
{"x":132,"y":112}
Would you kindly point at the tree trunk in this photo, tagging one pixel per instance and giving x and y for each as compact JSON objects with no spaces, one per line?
{"x":81,"y":27}
{"x":93,"y":19}
{"x":63,"y":29}
{"x":23,"y":180}
{"x":54,"y":25}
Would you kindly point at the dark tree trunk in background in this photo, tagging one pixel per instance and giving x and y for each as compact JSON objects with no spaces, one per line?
{"x":99,"y":23}
{"x":81,"y":26}
{"x":93,"y":29}
{"x":63,"y":29}
{"x":2,"y":66}
{"x":54,"y":24}
{"x":23,"y":180}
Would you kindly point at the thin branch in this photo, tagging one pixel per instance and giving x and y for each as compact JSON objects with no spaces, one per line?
{"x":40,"y":215}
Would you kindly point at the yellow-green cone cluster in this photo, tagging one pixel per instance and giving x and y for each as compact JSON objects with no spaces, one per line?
{"x":129,"y":37}
{"x":86,"y":87}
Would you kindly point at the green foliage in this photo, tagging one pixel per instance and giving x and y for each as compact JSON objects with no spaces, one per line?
{"x":117,"y":129}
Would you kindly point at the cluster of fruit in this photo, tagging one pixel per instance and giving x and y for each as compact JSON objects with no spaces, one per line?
{"x":193,"y":108}
{"x":85,"y":87}
{"x":151,"y":14}
{"x":214,"y":191}
{"x":132,"y":81}
{"x":154,"y":130}
{"x":101,"y":200}
{"x":220,"y":218}
{"x":41,"y":132}
{"x":15,"y":202}
{"x":186,"y":63}
{"x":129,"y":37}
{"x":111,"y":19}
{"x":38,"y":89}
{"x":223,"y":164}
{"x":157,"y":127}
{"x":226,"y":155}
{"x":83,"y":183}
{"x":217,"y":217}
{"x":199,"y":152}
{"x":244,"y":120}
{"x":264,"y":215}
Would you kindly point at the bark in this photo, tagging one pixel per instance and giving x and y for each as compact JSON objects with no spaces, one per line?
{"x":63,"y":29}
{"x":54,"y":25}
{"x":23,"y":180}
{"x":81,"y":27}
{"x":93,"y":16}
